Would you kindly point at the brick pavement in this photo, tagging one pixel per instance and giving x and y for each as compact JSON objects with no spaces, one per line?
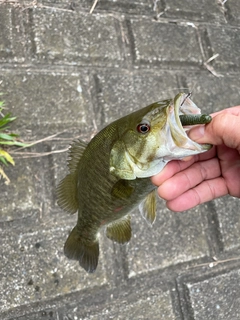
{"x":68,"y":72}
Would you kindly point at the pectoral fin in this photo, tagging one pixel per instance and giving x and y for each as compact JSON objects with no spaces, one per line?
{"x":148,"y":207}
{"x":122,"y":189}
{"x":120,"y":230}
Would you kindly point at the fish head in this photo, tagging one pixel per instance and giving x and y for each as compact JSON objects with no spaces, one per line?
{"x":151,"y":137}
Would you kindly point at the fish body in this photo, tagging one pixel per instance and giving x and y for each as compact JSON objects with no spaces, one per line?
{"x":110,"y":175}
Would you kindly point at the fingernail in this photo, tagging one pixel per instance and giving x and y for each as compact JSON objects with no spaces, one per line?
{"x":197,"y":132}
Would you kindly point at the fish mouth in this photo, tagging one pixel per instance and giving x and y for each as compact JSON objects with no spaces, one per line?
{"x":183,"y":105}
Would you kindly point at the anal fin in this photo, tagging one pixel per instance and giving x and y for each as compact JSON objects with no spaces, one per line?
{"x":120,"y":230}
{"x":148,"y":207}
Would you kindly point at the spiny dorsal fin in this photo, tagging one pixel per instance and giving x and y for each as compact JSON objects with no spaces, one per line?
{"x":120,"y":230}
{"x":148,"y":207}
{"x":75,"y":153}
{"x":67,"y":193}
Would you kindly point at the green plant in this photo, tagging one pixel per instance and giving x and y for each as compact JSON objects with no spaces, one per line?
{"x":7,"y":140}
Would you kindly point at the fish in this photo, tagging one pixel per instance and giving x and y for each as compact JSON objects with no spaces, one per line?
{"x":110,"y":176}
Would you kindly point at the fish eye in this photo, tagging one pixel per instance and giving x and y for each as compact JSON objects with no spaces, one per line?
{"x":143,"y":128}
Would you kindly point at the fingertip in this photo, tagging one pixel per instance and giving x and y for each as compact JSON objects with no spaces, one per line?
{"x":155,"y":179}
{"x":171,"y":205}
{"x":178,"y":205}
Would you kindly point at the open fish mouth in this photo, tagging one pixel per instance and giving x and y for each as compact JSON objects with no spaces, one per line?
{"x":182,"y":117}
{"x":187,"y":111}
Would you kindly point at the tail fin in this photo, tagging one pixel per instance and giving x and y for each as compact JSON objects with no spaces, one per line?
{"x":77,"y":248}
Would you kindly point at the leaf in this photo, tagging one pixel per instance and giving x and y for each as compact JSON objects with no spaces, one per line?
{"x":6,"y":136}
{"x":3,"y":160}
{"x":6,"y":119}
{"x":3,"y":174}
{"x":6,"y":155}
{"x":14,"y":143}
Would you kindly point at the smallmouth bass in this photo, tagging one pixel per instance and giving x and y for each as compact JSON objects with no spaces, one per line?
{"x":110,"y":176}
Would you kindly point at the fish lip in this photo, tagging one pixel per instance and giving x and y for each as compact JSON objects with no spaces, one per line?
{"x":182,"y":104}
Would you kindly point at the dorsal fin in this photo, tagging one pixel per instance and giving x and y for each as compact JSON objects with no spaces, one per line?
{"x":67,"y":193}
{"x":75,"y":153}
{"x":67,"y":197}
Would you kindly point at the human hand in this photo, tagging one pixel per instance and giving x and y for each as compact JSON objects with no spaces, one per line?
{"x":186,"y":184}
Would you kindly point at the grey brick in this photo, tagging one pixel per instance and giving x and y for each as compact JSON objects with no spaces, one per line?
{"x":23,"y":197}
{"x":232,"y":11}
{"x":156,"y":306}
{"x":34,"y":263}
{"x":203,"y":10}
{"x":43,"y":315}
{"x":129,"y":7}
{"x":174,"y":238}
{"x":46,"y":99}
{"x":120,"y":94}
{"x":225,"y":42}
{"x":11,"y":35}
{"x":153,"y":44}
{"x":228,"y":212}
{"x":75,"y":39}
{"x":217,"y":297}
{"x":122,"y":6}
{"x":212,"y":93}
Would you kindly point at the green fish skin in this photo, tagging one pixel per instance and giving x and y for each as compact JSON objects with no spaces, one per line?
{"x":110,"y":176}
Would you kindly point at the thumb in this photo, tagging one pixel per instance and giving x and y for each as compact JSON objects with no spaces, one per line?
{"x":223,"y":129}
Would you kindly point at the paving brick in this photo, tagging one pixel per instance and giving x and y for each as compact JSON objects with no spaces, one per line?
{"x":232,"y":11}
{"x":203,"y":10}
{"x":46,"y":98}
{"x":62,"y":37}
{"x":174,"y":238}
{"x":123,"y":6}
{"x":153,"y":44}
{"x":33,"y":261}
{"x":217,"y":297}
{"x":211,"y":93}
{"x":11,"y":35}
{"x":43,"y":315}
{"x":228,"y":212}
{"x":23,"y":197}
{"x":225,"y":41}
{"x":152,"y":307}
{"x":120,"y":94}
